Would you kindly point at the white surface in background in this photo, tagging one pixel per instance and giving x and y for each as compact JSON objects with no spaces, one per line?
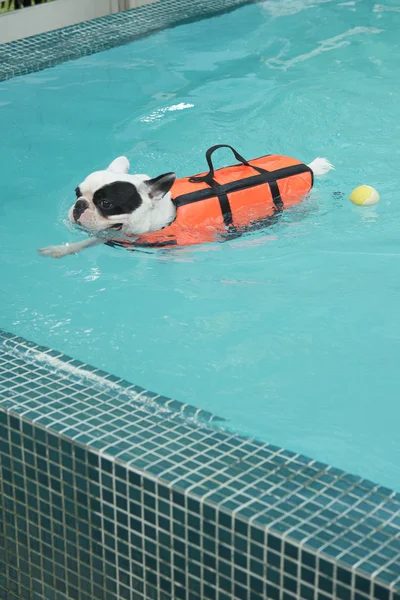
{"x":26,"y":22}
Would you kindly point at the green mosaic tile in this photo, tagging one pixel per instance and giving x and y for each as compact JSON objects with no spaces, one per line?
{"x":46,"y":50}
{"x":171,"y":503}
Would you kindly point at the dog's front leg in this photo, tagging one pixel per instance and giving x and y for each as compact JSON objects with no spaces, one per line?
{"x":65,"y":249}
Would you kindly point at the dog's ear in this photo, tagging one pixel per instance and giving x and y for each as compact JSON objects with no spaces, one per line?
{"x":158,"y":187}
{"x":119,"y":165}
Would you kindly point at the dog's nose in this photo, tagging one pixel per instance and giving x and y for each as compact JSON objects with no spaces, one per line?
{"x":79,"y":208}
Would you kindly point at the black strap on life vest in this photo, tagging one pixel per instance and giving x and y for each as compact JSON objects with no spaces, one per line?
{"x":209,"y":180}
{"x":209,"y":177}
{"x":222,"y":190}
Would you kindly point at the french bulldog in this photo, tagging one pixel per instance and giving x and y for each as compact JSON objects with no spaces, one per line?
{"x":112,"y":203}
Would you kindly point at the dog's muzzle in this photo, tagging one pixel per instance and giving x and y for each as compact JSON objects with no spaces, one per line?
{"x":79,"y":208}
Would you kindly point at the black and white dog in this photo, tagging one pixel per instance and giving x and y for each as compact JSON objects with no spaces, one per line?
{"x":112,"y":203}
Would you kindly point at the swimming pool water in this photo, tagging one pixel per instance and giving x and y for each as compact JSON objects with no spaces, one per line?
{"x":292,"y":333}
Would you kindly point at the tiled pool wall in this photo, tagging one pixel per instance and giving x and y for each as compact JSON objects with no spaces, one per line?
{"x":108,"y":491}
{"x":111,"y":492}
{"x":46,"y":50}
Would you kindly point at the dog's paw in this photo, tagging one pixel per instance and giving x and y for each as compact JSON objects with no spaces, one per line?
{"x":55,"y":251}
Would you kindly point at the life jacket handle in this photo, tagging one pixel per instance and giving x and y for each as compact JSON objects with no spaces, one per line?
{"x":209,"y":177}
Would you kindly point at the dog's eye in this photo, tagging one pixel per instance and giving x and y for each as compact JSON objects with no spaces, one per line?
{"x":106,"y":204}
{"x":78,"y":192}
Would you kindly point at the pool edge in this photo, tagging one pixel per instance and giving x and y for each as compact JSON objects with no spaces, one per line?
{"x":259,"y":512}
{"x":45,"y":50}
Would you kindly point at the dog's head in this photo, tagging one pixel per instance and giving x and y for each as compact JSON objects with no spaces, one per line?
{"x":113,"y":199}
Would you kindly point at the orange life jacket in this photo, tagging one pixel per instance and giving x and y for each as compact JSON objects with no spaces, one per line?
{"x":223,"y":201}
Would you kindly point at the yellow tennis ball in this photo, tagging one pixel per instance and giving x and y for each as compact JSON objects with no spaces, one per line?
{"x":364,"y":195}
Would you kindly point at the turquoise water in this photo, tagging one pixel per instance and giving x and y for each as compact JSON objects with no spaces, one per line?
{"x":292,"y":333}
